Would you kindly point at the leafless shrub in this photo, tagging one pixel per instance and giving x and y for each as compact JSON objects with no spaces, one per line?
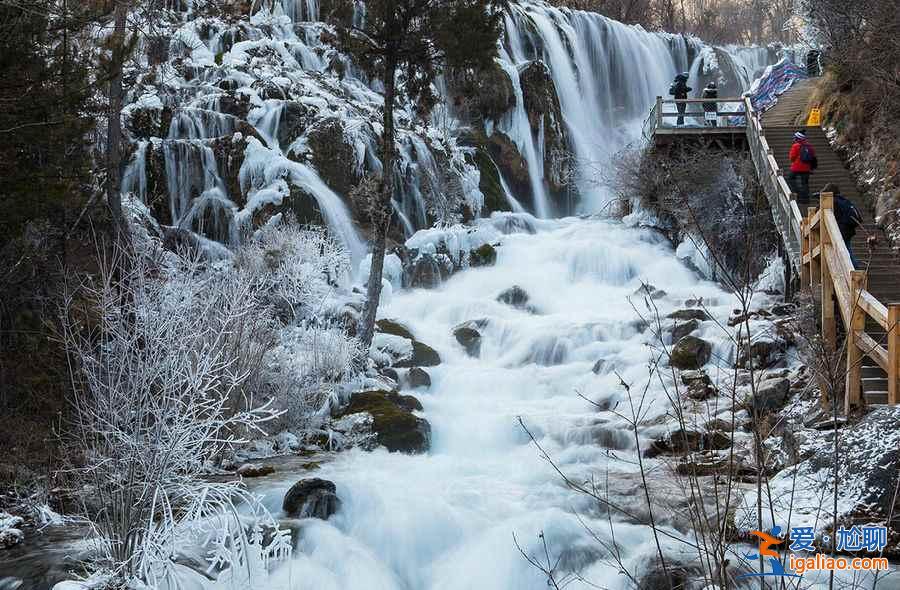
{"x":159,"y":375}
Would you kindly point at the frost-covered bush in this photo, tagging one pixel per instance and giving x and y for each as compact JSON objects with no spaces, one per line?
{"x":300,"y":267}
{"x":308,"y":370}
{"x":161,"y":361}
{"x":306,"y":271}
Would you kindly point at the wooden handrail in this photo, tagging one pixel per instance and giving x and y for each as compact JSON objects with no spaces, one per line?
{"x":874,"y":308}
{"x":816,"y":249}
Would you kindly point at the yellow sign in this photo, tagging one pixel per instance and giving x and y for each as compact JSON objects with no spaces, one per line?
{"x":815,"y":118}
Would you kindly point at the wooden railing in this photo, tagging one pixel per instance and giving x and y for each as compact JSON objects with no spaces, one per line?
{"x":816,"y":250}
{"x":828,"y":266}
{"x":783,"y":203}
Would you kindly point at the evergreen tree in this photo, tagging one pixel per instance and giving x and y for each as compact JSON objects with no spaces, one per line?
{"x":45,"y":117}
{"x":406,"y":44}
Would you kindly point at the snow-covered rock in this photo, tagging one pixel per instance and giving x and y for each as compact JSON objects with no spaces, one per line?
{"x":10,"y":533}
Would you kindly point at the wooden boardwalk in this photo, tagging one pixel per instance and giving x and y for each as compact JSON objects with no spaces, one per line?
{"x":865,"y":297}
{"x":881,"y":264}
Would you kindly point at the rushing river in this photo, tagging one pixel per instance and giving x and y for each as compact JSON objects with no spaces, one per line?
{"x":446,"y":519}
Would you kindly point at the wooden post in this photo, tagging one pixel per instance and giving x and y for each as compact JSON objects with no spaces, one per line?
{"x":853,"y":396}
{"x":804,"y":250}
{"x":815,"y":272}
{"x":829,"y":328}
{"x":893,"y":336}
{"x":658,"y":111}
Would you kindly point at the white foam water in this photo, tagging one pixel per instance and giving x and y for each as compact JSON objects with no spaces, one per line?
{"x":446,"y":519}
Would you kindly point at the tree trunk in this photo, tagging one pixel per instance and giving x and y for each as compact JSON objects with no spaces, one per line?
{"x":382,"y":215}
{"x":114,"y":122}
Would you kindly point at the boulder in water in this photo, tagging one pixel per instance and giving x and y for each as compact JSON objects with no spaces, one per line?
{"x":682,"y":329}
{"x":311,"y":498}
{"x":699,"y":385}
{"x":771,"y":395}
{"x":409,"y":403}
{"x":484,"y":255}
{"x":418,"y":377}
{"x":684,"y":315}
{"x":648,"y":290}
{"x":763,"y":353}
{"x":687,"y":441}
{"x":422,"y":356}
{"x":515,"y":296}
{"x":469,"y":337}
{"x":394,"y":328}
{"x":255,"y":470}
{"x":394,"y":425}
{"x":690,"y":353}
{"x":427,"y":271}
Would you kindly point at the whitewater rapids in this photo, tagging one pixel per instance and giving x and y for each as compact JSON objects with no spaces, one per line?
{"x":446,"y":519}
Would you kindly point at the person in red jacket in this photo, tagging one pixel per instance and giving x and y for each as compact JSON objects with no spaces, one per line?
{"x":803,"y":162}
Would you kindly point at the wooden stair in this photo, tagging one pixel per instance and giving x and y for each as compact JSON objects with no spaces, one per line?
{"x":881,"y":263}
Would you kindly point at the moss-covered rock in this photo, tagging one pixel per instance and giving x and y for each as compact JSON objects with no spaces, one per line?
{"x":422,"y":356}
{"x":409,"y":403}
{"x":684,"y":315}
{"x":394,"y":328}
{"x":295,"y":118}
{"x":489,"y":182}
{"x":484,"y":255}
{"x":545,"y":113}
{"x":395,"y":426}
{"x":682,"y":329}
{"x":487,"y":92}
{"x":690,"y":353}
{"x":299,"y":203}
{"x":333,"y":155}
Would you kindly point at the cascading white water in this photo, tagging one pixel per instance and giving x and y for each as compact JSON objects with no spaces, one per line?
{"x":446,"y":520}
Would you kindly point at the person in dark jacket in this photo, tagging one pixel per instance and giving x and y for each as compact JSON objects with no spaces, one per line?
{"x":812,"y":63}
{"x":679,"y":90}
{"x":803,"y":161}
{"x":847,"y":215}
{"x":710,"y":106}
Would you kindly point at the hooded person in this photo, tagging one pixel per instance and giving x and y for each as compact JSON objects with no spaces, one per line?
{"x":848,"y":217}
{"x":679,"y":90}
{"x":803,"y":162}
{"x":711,"y":107}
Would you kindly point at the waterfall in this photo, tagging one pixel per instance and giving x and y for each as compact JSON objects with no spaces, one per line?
{"x":134,"y":179}
{"x":606,"y":76}
{"x":278,"y":73}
